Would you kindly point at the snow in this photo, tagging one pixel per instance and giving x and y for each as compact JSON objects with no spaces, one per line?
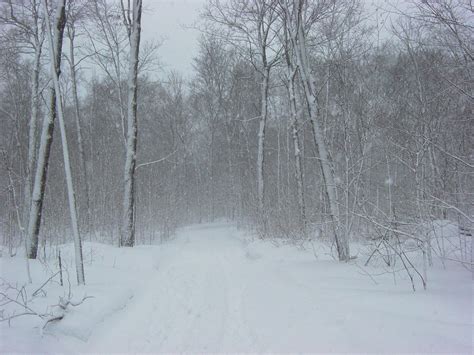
{"x":214,"y":288}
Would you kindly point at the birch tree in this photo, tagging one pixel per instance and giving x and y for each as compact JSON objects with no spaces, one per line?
{"x":56,"y":43}
{"x":291,"y":73}
{"x":75,"y":13}
{"x":36,"y":208}
{"x":296,"y":13}
{"x":35,"y":98}
{"x":133,"y":25}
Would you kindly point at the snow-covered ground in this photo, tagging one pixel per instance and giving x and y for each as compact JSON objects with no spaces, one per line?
{"x":214,"y":289}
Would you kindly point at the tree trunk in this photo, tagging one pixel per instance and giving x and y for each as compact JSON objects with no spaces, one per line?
{"x":128,"y":228}
{"x":299,"y":174}
{"x":32,"y":128}
{"x":261,"y":148}
{"x":342,"y":243}
{"x":55,"y":71}
{"x":37,"y":197}
{"x":82,"y":158}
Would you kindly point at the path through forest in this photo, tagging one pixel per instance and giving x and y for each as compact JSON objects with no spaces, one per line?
{"x":214,"y":291}
{"x":212,"y":288}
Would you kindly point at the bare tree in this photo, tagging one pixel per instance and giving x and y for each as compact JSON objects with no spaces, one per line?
{"x":298,"y":39}
{"x":291,"y":74}
{"x":55,"y":70}
{"x":108,"y":41}
{"x":455,"y":19}
{"x":253,"y":27}
{"x":36,"y":209}
{"x":132,"y":21}
{"x":75,"y":13}
{"x":25,"y":18}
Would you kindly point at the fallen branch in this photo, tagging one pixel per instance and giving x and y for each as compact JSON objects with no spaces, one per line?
{"x":44,"y":284}
{"x":62,"y":305}
{"x":20,"y":300}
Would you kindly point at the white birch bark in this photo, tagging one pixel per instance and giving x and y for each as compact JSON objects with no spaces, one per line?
{"x":299,"y":44}
{"x":44,"y":150}
{"x":55,"y":71}
{"x":128,"y":226}
{"x":299,"y":172}
{"x":35,"y":96}
{"x":77,"y":116}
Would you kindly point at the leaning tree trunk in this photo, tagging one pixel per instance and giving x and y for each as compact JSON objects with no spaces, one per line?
{"x":55,"y":70}
{"x":298,"y":40}
{"x":292,"y":71}
{"x":299,"y":173}
{"x":128,"y":227}
{"x":77,"y":116}
{"x":35,"y":96}
{"x":39,"y":185}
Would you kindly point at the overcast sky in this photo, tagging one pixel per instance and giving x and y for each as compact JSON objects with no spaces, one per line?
{"x":167,"y":19}
{"x":170,"y":20}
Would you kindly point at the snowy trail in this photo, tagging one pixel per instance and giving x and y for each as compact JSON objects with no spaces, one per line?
{"x":210,"y":292}
{"x":212,"y":289}
{"x":192,"y":302}
{"x":199,"y":299}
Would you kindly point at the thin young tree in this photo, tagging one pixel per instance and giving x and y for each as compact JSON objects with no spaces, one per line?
{"x":253,"y":27}
{"x":75,"y":14}
{"x":133,"y":25}
{"x":108,"y":46}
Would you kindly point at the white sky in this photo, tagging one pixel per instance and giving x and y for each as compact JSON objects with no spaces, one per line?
{"x":167,"y":19}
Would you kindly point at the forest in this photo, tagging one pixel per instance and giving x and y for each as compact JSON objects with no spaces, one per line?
{"x":335,"y":131}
